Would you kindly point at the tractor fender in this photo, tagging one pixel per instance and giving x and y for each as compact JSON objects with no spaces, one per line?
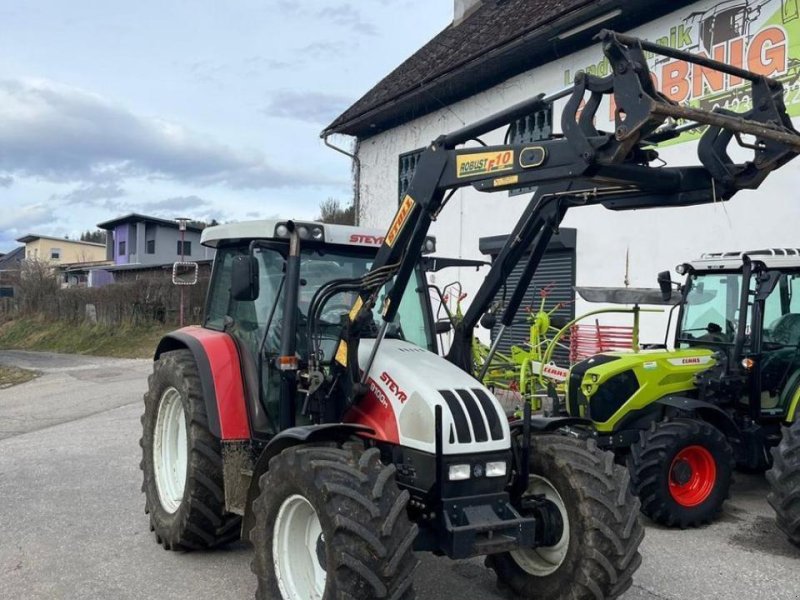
{"x":303,"y":434}
{"x":545,"y":424}
{"x":707,"y":411}
{"x":220,"y":373}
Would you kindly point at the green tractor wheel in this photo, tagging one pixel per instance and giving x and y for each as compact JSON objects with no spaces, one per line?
{"x":784,"y":482}
{"x":681,"y":469}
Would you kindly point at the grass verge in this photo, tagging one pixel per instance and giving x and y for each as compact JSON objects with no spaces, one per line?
{"x":99,"y":340}
{"x":14,"y":375}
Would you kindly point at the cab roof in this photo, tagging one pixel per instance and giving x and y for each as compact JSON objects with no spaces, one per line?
{"x":265,"y":230}
{"x":777,"y":258}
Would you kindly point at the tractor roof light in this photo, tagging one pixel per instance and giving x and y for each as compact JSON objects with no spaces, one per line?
{"x":306,"y":231}
{"x":748,"y":364}
{"x":681,"y":269}
{"x":429,"y":246}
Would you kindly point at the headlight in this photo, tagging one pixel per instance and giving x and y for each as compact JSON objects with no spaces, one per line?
{"x":281,"y":230}
{"x":302,"y":231}
{"x":496,"y":469}
{"x":458,"y":472}
{"x":317,"y":234}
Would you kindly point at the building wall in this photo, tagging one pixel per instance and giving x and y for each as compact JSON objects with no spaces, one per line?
{"x":646,"y":241}
{"x":136,"y":236}
{"x":70,"y":251}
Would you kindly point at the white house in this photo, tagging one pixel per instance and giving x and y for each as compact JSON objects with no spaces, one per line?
{"x":499,"y":52}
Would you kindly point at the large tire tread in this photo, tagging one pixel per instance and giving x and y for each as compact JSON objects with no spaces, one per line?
{"x":604,"y":518}
{"x":784,"y":483}
{"x":650,"y":460}
{"x":370,"y":552}
{"x":201,"y":521}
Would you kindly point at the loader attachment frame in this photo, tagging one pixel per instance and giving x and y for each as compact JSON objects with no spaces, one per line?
{"x":581,"y":166}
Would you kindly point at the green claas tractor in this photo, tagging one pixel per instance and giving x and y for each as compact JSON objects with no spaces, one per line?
{"x":725,"y":396}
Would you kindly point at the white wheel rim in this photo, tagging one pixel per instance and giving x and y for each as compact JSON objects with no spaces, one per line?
{"x":295,"y":551}
{"x":544,"y":561}
{"x":170,"y":450}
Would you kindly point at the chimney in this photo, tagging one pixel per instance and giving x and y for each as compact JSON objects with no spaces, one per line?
{"x":463,"y":9}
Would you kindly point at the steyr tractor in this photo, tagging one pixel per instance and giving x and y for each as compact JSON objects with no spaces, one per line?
{"x":311,"y":415}
{"x":725,"y":396}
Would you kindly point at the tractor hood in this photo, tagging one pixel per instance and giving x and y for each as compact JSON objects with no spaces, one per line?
{"x":608,"y":386}
{"x":407,"y":383}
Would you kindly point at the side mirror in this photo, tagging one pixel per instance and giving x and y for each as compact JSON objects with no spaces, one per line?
{"x":665,"y":283}
{"x":488,"y":320}
{"x":443,"y":327}
{"x":244,"y":278}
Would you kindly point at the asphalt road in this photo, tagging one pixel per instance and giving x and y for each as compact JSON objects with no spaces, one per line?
{"x":72,"y":524}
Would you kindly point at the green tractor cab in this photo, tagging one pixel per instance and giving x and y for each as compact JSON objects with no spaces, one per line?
{"x":726,"y":394}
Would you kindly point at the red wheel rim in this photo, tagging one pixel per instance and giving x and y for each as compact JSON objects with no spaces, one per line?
{"x":692,"y":476}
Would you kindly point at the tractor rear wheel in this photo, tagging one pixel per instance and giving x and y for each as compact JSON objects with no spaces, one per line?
{"x":598,"y":551}
{"x":330,"y":524}
{"x":181,"y":460}
{"x":681,"y":470}
{"x":784,"y":482}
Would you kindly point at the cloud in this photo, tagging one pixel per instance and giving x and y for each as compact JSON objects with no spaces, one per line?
{"x":312,"y":107}
{"x":16,"y":221}
{"x":192,"y":207}
{"x":62,"y":134}
{"x":347,"y":16}
{"x":175,"y":204}
{"x":6,"y":180}
{"x":93,"y":193}
{"x":317,"y":50}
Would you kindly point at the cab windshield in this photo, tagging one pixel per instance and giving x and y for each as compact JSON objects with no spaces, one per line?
{"x":710,"y":314}
{"x":318,"y":265}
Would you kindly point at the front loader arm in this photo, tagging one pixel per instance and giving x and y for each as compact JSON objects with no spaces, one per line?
{"x":580,"y":166}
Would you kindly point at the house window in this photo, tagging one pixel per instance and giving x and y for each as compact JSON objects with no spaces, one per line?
{"x":533,"y":128}
{"x":55,"y":253}
{"x":406,"y":170}
{"x":186,"y":250}
{"x":121,"y":247}
{"x":150,"y":247}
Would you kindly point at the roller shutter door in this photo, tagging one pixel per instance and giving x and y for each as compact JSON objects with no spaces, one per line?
{"x":557,"y":268}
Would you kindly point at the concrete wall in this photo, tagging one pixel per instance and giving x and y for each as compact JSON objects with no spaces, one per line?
{"x":656,"y":239}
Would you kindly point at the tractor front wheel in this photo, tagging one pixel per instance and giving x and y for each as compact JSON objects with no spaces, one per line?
{"x":598,"y":549}
{"x":681,"y":469}
{"x":331,"y":523}
{"x":784,"y":482}
{"x":181,"y":460}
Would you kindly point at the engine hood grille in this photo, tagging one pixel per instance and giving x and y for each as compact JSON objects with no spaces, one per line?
{"x":474,"y":415}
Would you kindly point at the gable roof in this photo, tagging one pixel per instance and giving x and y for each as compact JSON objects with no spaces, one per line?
{"x":11,"y":260}
{"x":138,"y":218}
{"x":498,"y":40}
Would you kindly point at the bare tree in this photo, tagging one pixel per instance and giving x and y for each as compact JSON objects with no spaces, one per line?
{"x":38,"y":284}
{"x":331,"y":211}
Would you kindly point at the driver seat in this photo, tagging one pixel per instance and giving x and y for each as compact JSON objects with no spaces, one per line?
{"x":786,"y":330}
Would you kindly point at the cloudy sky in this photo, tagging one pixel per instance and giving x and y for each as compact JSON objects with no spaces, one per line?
{"x":203,"y":109}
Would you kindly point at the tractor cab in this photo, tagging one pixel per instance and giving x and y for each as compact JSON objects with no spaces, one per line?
{"x":746,"y":307}
{"x":737,"y":341}
{"x":247,"y":300}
